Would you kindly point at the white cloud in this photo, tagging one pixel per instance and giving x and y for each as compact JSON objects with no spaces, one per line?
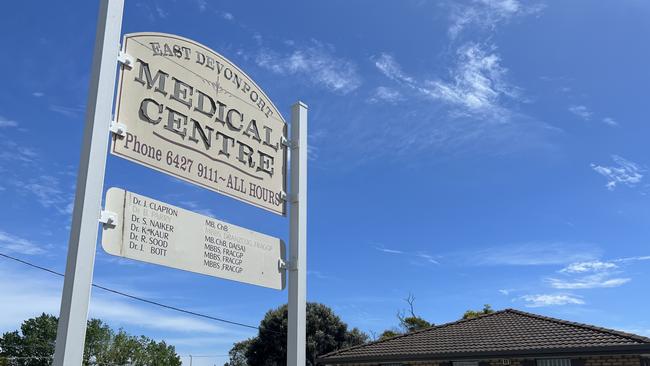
{"x":610,"y":121}
{"x":227,"y":16}
{"x":162,"y":14}
{"x":593,"y":274}
{"x":581,"y":111}
{"x":478,"y":83}
{"x":194,"y":206}
{"x":476,"y":86}
{"x":70,"y":112}
{"x":417,"y":258}
{"x":38,"y":94}
{"x":581,"y":267}
{"x":386,"y":94}
{"x":4,"y":122}
{"x":627,"y":172}
{"x":390,"y":251}
{"x":487,"y":14}
{"x":541,"y":300}
{"x":598,"y":280}
{"x":633,"y":259}
{"x":201,"y":4}
{"x":535,"y":253}
{"x":49,"y":193}
{"x":13,"y":244}
{"x":428,"y":258}
{"x":505,"y":292}
{"x":391,"y":69}
{"x":315,"y":62}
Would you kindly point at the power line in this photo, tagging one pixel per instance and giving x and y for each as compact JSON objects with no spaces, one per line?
{"x":133,"y":297}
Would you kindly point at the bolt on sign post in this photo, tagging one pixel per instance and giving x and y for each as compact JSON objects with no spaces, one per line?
{"x":184,"y":110}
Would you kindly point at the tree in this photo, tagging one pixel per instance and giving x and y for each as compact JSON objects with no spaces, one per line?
{"x":411,"y":322}
{"x":325,"y":333}
{"x":33,"y":345}
{"x":408,"y":322}
{"x":237,"y":353}
{"x":469,"y":314}
{"x":388,"y":333}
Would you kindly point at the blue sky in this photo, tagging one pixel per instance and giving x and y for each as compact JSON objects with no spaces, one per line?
{"x":467,"y":152}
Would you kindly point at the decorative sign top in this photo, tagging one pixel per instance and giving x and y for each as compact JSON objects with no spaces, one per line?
{"x":156,"y":232}
{"x":191,"y":113}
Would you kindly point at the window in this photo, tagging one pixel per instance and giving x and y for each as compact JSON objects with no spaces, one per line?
{"x":554,"y":362}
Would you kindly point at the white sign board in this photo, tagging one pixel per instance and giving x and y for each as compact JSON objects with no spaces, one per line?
{"x":191,"y":113}
{"x":156,"y":232}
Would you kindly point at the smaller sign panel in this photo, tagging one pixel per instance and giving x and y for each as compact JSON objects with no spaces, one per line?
{"x":156,"y":232}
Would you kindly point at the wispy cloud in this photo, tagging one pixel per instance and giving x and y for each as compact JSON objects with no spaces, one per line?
{"x":536,"y":253}
{"x":202,"y":5}
{"x":477,"y":85}
{"x":610,"y":121}
{"x":593,"y":274}
{"x":625,"y":172}
{"x":581,"y":111}
{"x":417,"y":257}
{"x":428,"y":258}
{"x":390,"y":68}
{"x":196,"y":207}
{"x":541,"y":300}
{"x":487,"y":14}
{"x":598,"y":280}
{"x":38,"y":94}
{"x":582,"y":267}
{"x":13,"y":244}
{"x":315,"y":62}
{"x":386,"y":94}
{"x":70,"y":112}
{"x":49,"y":192}
{"x":390,"y":251}
{"x":632,"y":259}
{"x":5,"y":123}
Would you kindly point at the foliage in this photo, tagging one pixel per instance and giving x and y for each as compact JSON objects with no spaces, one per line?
{"x":325,"y":333}
{"x":33,"y":345}
{"x":237,"y":353}
{"x":411,"y":322}
{"x":469,"y":314}
{"x":388,"y":333}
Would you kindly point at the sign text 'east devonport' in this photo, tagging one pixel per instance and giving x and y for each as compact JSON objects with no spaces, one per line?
{"x":156,"y":232}
{"x":193,"y":114}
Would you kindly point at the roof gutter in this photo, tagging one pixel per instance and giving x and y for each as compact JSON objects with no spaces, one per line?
{"x":532,"y":353}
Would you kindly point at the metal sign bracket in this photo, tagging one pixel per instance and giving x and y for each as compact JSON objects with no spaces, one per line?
{"x":118,"y":128}
{"x":287,"y":265}
{"x":124,"y":59}
{"x":108,"y":218}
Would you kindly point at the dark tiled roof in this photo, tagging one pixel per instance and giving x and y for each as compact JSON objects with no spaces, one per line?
{"x":506,"y":332}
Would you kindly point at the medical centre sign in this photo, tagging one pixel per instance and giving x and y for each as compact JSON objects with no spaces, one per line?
{"x":191,"y":113}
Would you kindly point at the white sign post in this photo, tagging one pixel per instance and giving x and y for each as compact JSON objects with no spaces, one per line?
{"x":156,"y":232}
{"x":297,"y":324}
{"x":73,"y":316}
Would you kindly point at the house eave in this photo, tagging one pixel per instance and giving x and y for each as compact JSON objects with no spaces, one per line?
{"x":531,"y":353}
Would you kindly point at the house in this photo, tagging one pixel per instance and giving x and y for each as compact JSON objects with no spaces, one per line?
{"x":504,"y":338}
